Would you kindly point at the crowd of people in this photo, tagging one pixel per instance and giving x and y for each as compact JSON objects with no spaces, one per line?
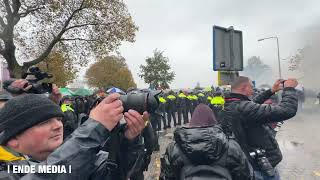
{"x":221,"y":133}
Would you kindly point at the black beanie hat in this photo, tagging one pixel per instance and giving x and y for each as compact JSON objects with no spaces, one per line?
{"x":4,"y":96}
{"x":23,"y":112}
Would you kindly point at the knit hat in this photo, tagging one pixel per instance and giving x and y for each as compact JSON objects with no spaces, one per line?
{"x":4,"y":96}
{"x":23,"y":112}
{"x":202,"y":116}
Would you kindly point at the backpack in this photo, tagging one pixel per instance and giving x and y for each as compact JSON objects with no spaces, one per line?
{"x":215,"y":171}
{"x":205,"y":172}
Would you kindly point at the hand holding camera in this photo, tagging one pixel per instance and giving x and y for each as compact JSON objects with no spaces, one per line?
{"x":19,"y":86}
{"x":135,"y":123}
{"x":281,"y":83}
{"x":108,"y":112}
{"x":292,"y":82}
{"x":30,"y":84}
{"x":136,"y":109}
{"x":277,"y":86}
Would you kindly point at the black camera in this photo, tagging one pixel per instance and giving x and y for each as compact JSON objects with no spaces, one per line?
{"x":282,"y":82}
{"x":260,"y":156}
{"x":37,"y":75}
{"x":138,"y":101}
{"x":33,"y":76}
{"x":141,"y":102}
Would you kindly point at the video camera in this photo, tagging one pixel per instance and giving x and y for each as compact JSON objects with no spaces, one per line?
{"x":33,"y":77}
{"x":260,"y":156}
{"x":37,"y":75}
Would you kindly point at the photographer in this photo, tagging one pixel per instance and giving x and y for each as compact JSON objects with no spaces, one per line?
{"x":248,"y":120}
{"x":35,"y":136}
{"x":18,"y":87}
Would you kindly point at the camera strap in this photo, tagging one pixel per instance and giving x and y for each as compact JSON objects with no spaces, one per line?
{"x":114,"y":150}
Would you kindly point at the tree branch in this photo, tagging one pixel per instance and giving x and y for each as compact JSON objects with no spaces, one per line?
{"x":2,"y":22}
{"x":1,"y":49}
{"x":16,"y":6}
{"x":55,"y":40}
{"x":77,"y":39}
{"x":81,"y":25}
{"x":8,"y":8}
{"x":29,"y":10}
{"x":89,"y":24}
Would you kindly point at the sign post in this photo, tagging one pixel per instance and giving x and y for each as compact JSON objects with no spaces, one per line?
{"x":227,"y":53}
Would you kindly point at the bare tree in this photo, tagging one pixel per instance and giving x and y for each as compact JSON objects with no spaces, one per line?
{"x":31,"y":29}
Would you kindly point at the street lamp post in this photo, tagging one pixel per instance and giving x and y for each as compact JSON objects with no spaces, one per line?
{"x":275,"y":37}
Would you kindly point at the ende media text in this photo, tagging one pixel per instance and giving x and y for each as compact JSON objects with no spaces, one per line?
{"x":25,"y":169}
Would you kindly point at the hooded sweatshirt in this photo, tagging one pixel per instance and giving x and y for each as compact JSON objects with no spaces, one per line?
{"x":204,"y":145}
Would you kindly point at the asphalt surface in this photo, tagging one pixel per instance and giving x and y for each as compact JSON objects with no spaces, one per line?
{"x":299,"y":141}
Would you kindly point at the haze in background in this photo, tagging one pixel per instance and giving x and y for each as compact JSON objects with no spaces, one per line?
{"x":309,"y":69}
{"x":183,"y":30}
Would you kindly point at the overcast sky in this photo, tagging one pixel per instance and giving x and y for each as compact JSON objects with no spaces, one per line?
{"x":183,"y":30}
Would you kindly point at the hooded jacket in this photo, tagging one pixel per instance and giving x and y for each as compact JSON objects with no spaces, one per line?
{"x":82,"y":151}
{"x":248,"y":121}
{"x":204,"y":146}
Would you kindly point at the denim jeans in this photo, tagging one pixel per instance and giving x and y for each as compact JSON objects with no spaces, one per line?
{"x":259,"y":175}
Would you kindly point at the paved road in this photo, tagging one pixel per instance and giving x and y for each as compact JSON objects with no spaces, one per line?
{"x":299,"y":140}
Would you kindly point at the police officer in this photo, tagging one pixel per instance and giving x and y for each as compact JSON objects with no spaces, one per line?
{"x":182,"y":108}
{"x":189,"y":104}
{"x":195,"y":102}
{"x":201,"y":98}
{"x":217,"y":104}
{"x":209,"y":98}
{"x":162,"y":109}
{"x":171,"y":108}
{"x":70,"y":119}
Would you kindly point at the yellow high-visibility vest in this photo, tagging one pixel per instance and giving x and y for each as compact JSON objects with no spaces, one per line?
{"x":162,"y":100}
{"x":181,"y":95}
{"x":217,"y":100}
{"x":194,"y":97}
{"x":171,"y":97}
{"x":66,"y":107}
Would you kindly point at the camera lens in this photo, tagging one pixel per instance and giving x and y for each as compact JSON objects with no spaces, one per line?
{"x":140,"y":102}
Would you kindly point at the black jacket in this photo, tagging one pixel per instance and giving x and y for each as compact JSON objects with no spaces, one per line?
{"x":181,"y":102}
{"x":248,"y":121}
{"x":171,"y":105}
{"x":82,"y":151}
{"x":70,"y":123}
{"x":204,"y":146}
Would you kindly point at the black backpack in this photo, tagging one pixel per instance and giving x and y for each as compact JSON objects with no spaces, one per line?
{"x":215,"y":171}
{"x":205,"y":172}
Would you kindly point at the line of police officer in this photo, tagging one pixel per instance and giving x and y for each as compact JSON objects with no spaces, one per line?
{"x":180,"y":106}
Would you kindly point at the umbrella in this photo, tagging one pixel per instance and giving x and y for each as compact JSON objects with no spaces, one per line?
{"x":82,"y":92}
{"x":115,"y":90}
{"x":66,"y":92}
